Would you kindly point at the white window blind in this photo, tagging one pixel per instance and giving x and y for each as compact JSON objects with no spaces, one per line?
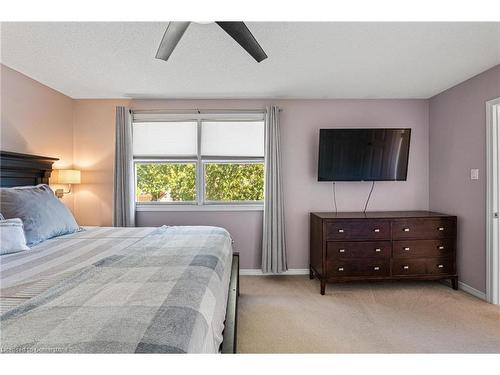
{"x":232,"y":138}
{"x":172,"y":138}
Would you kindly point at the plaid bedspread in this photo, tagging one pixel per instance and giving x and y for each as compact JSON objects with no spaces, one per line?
{"x":162,"y":294}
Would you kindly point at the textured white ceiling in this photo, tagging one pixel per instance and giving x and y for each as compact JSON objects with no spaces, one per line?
{"x":306,"y":60}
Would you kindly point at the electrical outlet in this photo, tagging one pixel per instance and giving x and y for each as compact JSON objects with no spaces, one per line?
{"x":474,"y":174}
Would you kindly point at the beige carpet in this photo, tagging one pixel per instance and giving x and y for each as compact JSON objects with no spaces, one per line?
{"x":286,"y":314}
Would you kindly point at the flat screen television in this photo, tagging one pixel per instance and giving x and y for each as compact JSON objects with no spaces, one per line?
{"x":363,"y":154}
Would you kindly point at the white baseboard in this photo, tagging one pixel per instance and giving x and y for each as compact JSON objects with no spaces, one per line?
{"x":468,"y":289}
{"x":257,"y":272}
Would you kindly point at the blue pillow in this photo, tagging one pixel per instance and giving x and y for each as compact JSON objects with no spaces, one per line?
{"x":44,"y":216}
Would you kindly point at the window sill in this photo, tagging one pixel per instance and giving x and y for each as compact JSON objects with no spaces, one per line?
{"x":192,"y":207}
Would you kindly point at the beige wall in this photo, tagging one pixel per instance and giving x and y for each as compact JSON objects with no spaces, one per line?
{"x":35,"y":119}
{"x":94,"y":145}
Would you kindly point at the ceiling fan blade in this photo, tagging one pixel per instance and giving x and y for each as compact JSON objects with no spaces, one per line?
{"x":242,"y":35}
{"x":174,"y":33}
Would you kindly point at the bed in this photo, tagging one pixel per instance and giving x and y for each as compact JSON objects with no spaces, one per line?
{"x":117,"y":290}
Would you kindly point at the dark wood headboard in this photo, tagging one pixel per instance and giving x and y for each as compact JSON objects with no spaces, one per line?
{"x":23,"y":169}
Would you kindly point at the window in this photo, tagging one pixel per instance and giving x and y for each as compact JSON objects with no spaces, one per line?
{"x":206,"y":159}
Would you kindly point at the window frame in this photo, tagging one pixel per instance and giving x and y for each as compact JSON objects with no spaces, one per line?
{"x":199,"y":160}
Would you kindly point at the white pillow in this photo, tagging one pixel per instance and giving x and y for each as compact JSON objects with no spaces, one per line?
{"x":12,"y":237}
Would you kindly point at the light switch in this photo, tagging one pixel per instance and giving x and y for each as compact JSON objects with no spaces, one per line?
{"x":474,"y":174}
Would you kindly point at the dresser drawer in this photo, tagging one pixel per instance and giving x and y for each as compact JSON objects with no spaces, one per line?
{"x":423,"y":228}
{"x":422,"y":248}
{"x":422,"y":266}
{"x":358,"y":267}
{"x":346,"y":250}
{"x":358,"y":230}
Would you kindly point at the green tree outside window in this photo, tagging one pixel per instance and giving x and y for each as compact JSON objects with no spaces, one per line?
{"x":234,"y":182}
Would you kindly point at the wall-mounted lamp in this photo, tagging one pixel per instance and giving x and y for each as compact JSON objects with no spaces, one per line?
{"x":66,"y":177}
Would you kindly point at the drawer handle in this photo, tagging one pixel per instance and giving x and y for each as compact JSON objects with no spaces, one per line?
{"x":406,"y":248}
{"x":376,"y":230}
{"x":441,"y":247}
{"x":440,"y":266}
{"x":378,"y":250}
{"x":441,"y":229}
{"x":341,"y":250}
{"x":406,"y":229}
{"x":341,"y":269}
{"x":341,"y":231}
{"x":376,"y":268}
{"x":406,"y":267}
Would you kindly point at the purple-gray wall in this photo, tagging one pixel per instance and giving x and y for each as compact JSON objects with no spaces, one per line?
{"x":457,"y":143}
{"x":300,"y":124}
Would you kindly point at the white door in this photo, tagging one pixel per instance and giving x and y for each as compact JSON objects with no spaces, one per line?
{"x":493,"y":201}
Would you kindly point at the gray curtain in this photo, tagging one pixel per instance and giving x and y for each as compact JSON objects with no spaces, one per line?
{"x":123,"y":191}
{"x":273,"y":241}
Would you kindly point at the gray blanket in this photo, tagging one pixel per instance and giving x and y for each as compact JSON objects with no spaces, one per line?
{"x":164,"y":294}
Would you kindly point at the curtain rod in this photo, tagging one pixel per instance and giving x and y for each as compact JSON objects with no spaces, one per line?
{"x":200,"y":111}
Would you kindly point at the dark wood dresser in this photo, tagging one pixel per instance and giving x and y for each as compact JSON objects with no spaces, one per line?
{"x":393,"y":245}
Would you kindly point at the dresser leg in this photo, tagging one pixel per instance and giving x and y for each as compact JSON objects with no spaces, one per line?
{"x":454,"y":283}
{"x":311,"y":274}
{"x":323,"y":286}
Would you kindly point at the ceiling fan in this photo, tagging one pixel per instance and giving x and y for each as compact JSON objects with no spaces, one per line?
{"x":236,"y":30}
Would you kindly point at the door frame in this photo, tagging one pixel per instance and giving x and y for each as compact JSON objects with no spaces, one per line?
{"x":492,"y":201}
